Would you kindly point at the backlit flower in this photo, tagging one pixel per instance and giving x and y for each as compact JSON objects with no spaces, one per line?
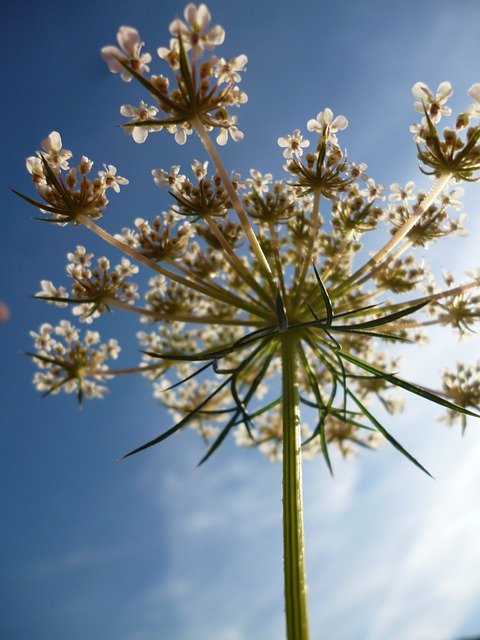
{"x":435,"y":104}
{"x":130,"y":53}
{"x":196,"y":33}
{"x":293,"y":144}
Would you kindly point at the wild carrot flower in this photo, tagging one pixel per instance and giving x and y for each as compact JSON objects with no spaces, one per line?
{"x":260,"y":309}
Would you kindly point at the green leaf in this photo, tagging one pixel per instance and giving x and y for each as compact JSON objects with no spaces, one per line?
{"x":148,"y":86}
{"x":241,"y":405}
{"x":281,"y":315}
{"x":242,"y":342}
{"x":186,"y":71}
{"x":179,"y":425}
{"x":391,"y":317}
{"x":377,"y":334}
{"x":58,"y":184}
{"x":325,"y":297}
{"x":386,"y":434}
{"x":409,"y":386}
{"x":192,"y":375}
{"x":323,"y":410}
{"x":36,"y":203}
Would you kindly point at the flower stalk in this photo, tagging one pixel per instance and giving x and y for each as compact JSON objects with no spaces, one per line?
{"x":237,"y":205}
{"x":296,"y":609}
{"x":382,"y":253}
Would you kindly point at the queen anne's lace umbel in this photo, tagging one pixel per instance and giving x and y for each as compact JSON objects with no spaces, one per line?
{"x":264,"y":318}
{"x":237,"y":264}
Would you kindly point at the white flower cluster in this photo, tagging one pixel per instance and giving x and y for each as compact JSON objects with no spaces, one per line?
{"x":68,"y":363}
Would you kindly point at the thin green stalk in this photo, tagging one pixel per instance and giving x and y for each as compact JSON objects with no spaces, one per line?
{"x":448,"y":293}
{"x":217,"y":293}
{"x":307,"y":260}
{"x":191,"y":275}
{"x":382,"y":253}
{"x":278,"y":260}
{"x":181,"y":317}
{"x":234,"y":260}
{"x":234,"y":199}
{"x":293,"y":539}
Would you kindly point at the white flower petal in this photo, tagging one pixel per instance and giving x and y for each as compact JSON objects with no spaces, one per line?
{"x":474,"y":91}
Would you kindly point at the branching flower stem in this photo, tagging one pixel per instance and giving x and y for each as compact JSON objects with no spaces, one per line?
{"x":217,"y":293}
{"x":278,"y":260}
{"x":293,"y":538}
{"x":191,"y":275}
{"x":234,"y":199}
{"x":234,"y":260}
{"x":179,"y":317}
{"x":455,"y":291}
{"x":307,"y":260}
{"x":382,"y":253}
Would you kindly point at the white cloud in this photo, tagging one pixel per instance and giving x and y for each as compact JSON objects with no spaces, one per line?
{"x":438,"y":582}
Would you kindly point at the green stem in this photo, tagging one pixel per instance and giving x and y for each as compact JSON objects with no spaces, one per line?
{"x":235,"y":262}
{"x":383,"y":253}
{"x":307,"y":260}
{"x":293,"y":540}
{"x":235,"y":201}
{"x":213,"y":292}
{"x":181,"y":317}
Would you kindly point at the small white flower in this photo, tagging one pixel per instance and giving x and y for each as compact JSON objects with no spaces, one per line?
{"x":325,"y":124}
{"x":50,"y":291}
{"x":358,"y":170}
{"x":474,"y":109}
{"x":227,"y":70}
{"x":56,"y":157}
{"x":235,"y":134}
{"x":172,"y":55}
{"x":85,"y":165}
{"x":434,"y":104}
{"x":457,"y":227}
{"x":402,"y":194}
{"x":195,"y":32}
{"x":172,"y":178}
{"x":138,"y":114}
{"x":293,"y":144}
{"x":111,"y":349}
{"x":126,"y":268}
{"x":42,"y":339}
{"x":474,"y":91}
{"x":79,"y":257}
{"x":130,"y":53}
{"x":35,"y":169}
{"x":419,"y":130}
{"x":373,"y":191}
{"x":258,"y":181}
{"x":181,"y":131}
{"x":110,"y":178}
{"x":200,"y":169}
{"x":66,"y":329}
{"x":450,"y":199}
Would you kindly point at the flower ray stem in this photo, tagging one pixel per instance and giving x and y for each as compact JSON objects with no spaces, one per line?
{"x":125,"y":371}
{"x":382,"y":253}
{"x":435,"y":296}
{"x":234,"y":260}
{"x":307,"y":260}
{"x":184,"y":317}
{"x":222,"y":295}
{"x":234,"y":199}
{"x":278,"y":260}
{"x":339,"y":255}
{"x":176,"y":264}
{"x":293,"y":539}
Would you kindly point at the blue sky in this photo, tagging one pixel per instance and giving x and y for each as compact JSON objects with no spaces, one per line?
{"x":154,"y":547}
